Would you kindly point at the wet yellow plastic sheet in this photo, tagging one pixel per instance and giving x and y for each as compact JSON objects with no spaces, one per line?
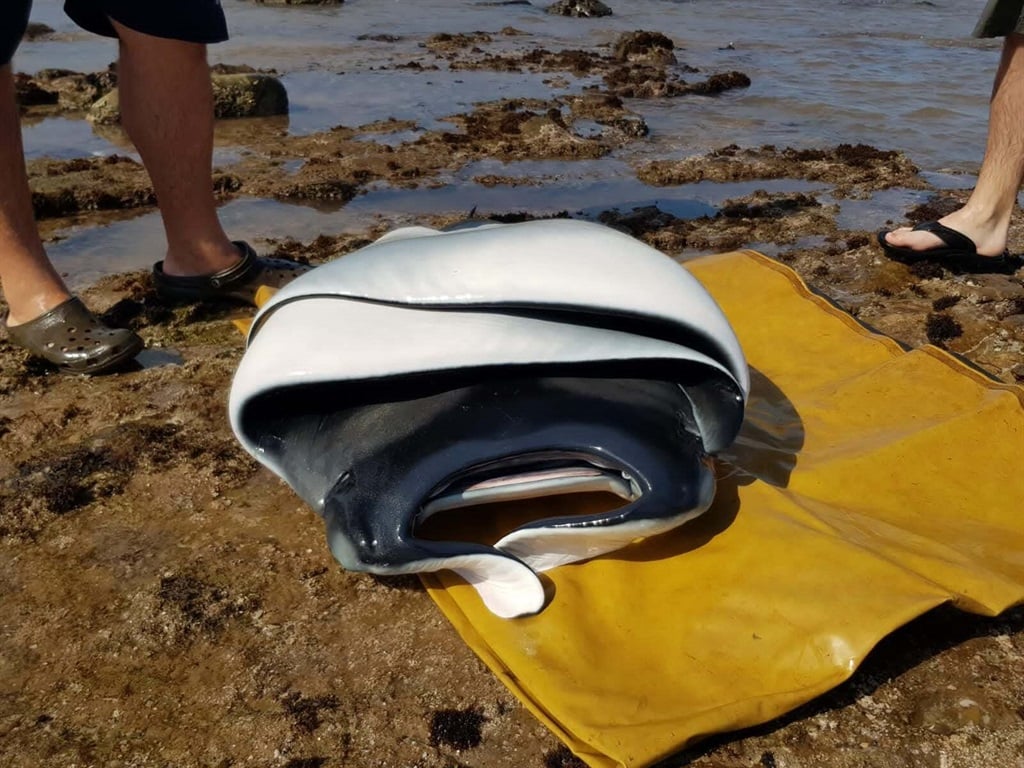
{"x":869,"y":484}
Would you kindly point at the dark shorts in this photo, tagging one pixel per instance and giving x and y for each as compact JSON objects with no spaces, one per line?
{"x":1001,"y":18}
{"x":194,"y":21}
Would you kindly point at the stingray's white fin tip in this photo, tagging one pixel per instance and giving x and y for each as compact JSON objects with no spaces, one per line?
{"x":506,"y":586}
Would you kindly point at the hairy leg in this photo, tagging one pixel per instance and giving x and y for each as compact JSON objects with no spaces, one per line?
{"x":167,"y":110}
{"x":30,"y":283}
{"x":985,"y":218}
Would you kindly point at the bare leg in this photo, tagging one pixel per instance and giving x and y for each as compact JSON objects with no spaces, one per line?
{"x":167,"y":110}
{"x":985,"y":218}
{"x":30,"y":283}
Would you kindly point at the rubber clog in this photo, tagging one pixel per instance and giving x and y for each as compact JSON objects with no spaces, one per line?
{"x":238,"y":283}
{"x":70,"y":337}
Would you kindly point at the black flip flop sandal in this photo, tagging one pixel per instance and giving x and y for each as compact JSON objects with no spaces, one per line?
{"x":70,"y":337}
{"x":957,"y":251}
{"x":238,"y":283}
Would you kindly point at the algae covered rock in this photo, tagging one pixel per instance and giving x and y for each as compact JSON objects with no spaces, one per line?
{"x":580,"y":8}
{"x":29,"y":93}
{"x":37,"y":31}
{"x":248,"y":95}
{"x":234,"y":95}
{"x":77,"y":91}
{"x":644,"y":47}
{"x":107,"y":110}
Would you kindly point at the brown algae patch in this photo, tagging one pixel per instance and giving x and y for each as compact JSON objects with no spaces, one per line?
{"x":642,"y":64}
{"x":853,"y":169}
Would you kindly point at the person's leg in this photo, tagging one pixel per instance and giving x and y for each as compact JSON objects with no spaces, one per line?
{"x":42,"y":316}
{"x":167,"y":110}
{"x":30,"y":283}
{"x":985,"y":218}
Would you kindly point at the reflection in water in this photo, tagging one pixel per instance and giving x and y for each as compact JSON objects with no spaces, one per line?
{"x":157,"y":358}
{"x":319,"y":101}
{"x":393,"y":139}
{"x":134,"y":240}
{"x":71,"y":137}
{"x":249,"y":132}
{"x":66,"y":138}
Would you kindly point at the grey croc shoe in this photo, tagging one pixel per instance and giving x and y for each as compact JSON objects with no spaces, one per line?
{"x":238,"y":283}
{"x":70,"y":337}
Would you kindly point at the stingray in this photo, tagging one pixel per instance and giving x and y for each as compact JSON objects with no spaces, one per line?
{"x":436,"y":372}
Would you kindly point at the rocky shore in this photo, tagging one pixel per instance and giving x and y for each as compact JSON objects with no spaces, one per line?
{"x":168,"y":603}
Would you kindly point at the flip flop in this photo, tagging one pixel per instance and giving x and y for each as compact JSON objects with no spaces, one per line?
{"x":238,"y":283}
{"x":70,"y":337}
{"x":957,"y":250}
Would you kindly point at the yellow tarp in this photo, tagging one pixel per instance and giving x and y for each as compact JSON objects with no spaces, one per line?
{"x":869,"y":484}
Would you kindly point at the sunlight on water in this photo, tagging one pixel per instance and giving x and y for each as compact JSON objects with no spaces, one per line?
{"x":866,"y":71}
{"x":135,"y":241}
{"x":862,"y":72}
{"x":322,"y":100}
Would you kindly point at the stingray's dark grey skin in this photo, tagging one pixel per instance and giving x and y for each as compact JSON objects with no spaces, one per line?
{"x":371,"y":470}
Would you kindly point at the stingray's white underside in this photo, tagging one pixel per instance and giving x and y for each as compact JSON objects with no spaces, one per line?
{"x":533,"y":485}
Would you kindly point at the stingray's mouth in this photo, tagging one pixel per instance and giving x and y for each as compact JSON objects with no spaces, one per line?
{"x":529,"y":477}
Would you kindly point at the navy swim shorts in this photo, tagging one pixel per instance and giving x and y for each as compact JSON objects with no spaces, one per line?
{"x":194,"y":21}
{"x":1000,"y":18}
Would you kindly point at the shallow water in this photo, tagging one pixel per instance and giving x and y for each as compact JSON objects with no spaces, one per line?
{"x":85,"y":254}
{"x":899,"y":74}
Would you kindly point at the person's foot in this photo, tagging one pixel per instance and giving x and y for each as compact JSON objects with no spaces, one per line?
{"x":206,"y":259}
{"x":238,"y":282}
{"x":989,"y":237}
{"x":70,"y":337}
{"x":24,"y":307}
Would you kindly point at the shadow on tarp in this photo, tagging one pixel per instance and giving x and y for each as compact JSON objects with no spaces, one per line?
{"x":766,"y":449}
{"x":772,"y":435}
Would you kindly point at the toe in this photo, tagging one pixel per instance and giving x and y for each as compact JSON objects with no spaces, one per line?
{"x":895,"y":235}
{"x":913,"y":239}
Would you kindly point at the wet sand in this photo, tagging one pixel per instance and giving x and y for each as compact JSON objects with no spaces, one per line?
{"x":168,"y":603}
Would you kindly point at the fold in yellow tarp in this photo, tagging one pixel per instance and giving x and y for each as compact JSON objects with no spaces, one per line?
{"x":869,"y":484}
